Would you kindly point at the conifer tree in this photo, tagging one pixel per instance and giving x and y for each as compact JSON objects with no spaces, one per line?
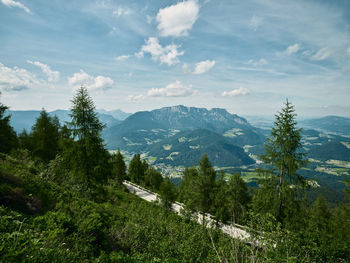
{"x":206,"y":186}
{"x":89,"y":157}
{"x":8,"y":137}
{"x":119,"y":167}
{"x":153,"y":178}
{"x":45,"y":136}
{"x":221,"y":200}
{"x":238,"y":198}
{"x":167,"y":193}
{"x":283,"y":151}
{"x":137,"y":169}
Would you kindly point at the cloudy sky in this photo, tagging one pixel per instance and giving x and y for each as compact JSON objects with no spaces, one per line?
{"x":245,"y":56}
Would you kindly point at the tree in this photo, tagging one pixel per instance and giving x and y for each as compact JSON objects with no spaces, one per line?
{"x":206,"y":187}
{"x":189,"y":195}
{"x":167,"y":193}
{"x":238,"y":198}
{"x":8,"y":137}
{"x":45,"y":137}
{"x":153,"y":178}
{"x":221,"y":201}
{"x":90,"y":160}
{"x":119,"y":167}
{"x":137,"y":169}
{"x":283,"y":151}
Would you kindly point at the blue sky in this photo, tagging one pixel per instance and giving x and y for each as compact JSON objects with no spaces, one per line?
{"x":245,"y":56}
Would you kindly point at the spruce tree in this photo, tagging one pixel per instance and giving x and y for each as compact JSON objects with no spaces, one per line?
{"x":119,"y":167}
{"x":167,"y":193}
{"x":137,"y":169}
{"x":238,"y":198}
{"x":8,"y":137}
{"x":283,"y":151}
{"x":221,"y":201}
{"x":89,"y":158}
{"x":45,"y":137}
{"x":206,"y":187}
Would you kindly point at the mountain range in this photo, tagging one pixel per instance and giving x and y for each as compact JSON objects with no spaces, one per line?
{"x":160,"y":133}
{"x":21,"y":120}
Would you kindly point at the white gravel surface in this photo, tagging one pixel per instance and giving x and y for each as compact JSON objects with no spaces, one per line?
{"x":231,"y":230}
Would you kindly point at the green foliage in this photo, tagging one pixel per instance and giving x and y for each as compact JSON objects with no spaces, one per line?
{"x":153,"y":179}
{"x":45,"y":137}
{"x":221,"y":204}
{"x":188,"y":188}
{"x":238,"y":198}
{"x":89,"y":159}
{"x":8,"y":137}
{"x":283,"y":152}
{"x":137,"y":169}
{"x":168,"y":193}
{"x":119,"y":167}
{"x":206,"y":186}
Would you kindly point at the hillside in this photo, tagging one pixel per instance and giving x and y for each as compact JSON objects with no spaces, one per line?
{"x":330,"y":151}
{"x":334,"y":124}
{"x":187,"y":147}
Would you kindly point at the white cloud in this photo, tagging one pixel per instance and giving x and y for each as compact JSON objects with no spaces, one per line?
{"x":236,"y":92}
{"x":255,"y":22}
{"x":322,"y":54}
{"x":255,"y":63}
{"x":120,"y":11}
{"x":168,"y":54}
{"x":15,"y":79}
{"x":292,"y":49}
{"x":122,"y":57}
{"x":12,"y":3}
{"x":91,"y":82}
{"x":175,"y":89}
{"x":177,"y":20}
{"x":149,"y":19}
{"x":53,"y":76}
{"x":203,"y":66}
{"x":136,"y":97}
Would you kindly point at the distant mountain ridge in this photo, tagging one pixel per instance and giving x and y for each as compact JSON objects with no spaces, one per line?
{"x":25,"y":119}
{"x":148,"y":127}
{"x":334,"y":124}
{"x":117,"y":114}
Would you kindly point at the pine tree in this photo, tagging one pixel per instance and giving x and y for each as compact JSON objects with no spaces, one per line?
{"x":45,"y":137}
{"x":189,"y":193}
{"x":89,"y":157}
{"x":153,"y":178}
{"x":167,"y":193}
{"x":238,"y":198}
{"x":8,"y":137}
{"x":119,"y":167}
{"x":206,"y":187}
{"x":283,"y":151}
{"x":221,"y":201}
{"x":137,"y":169}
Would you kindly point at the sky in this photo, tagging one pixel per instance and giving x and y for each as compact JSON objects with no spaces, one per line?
{"x":245,"y":56}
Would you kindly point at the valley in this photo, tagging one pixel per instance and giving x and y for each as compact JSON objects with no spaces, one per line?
{"x":173,"y":138}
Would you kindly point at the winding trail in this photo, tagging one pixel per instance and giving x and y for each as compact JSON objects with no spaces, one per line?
{"x":235,"y":231}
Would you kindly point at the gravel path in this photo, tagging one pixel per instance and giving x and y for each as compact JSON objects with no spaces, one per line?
{"x":235,"y":231}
